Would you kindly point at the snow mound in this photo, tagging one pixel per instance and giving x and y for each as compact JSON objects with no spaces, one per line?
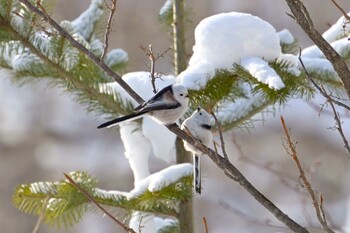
{"x":224,"y":39}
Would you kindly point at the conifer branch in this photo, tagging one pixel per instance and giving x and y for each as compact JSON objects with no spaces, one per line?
{"x":84,"y":50}
{"x":91,"y":199}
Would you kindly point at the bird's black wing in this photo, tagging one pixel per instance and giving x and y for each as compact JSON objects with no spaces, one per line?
{"x":164,"y":99}
{"x":156,"y":97}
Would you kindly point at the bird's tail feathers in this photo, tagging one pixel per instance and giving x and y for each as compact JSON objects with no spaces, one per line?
{"x":197,"y":173}
{"x":118,"y":120}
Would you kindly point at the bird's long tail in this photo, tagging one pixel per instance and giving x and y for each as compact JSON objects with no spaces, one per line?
{"x":118,"y":120}
{"x":197,"y":173}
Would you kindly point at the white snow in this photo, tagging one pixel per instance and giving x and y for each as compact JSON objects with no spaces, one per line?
{"x":285,"y":36}
{"x":161,"y":179}
{"x":167,"y":6}
{"x":137,"y":149}
{"x":338,"y":30}
{"x":116,"y":56}
{"x":85,"y":23}
{"x":224,"y":39}
{"x":168,"y":176}
{"x":261,"y":70}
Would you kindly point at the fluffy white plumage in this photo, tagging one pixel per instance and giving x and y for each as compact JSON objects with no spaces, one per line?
{"x":198,"y":126}
{"x":167,"y":106}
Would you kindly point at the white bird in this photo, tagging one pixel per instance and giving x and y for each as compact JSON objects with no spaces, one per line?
{"x":167,"y":106}
{"x":198,"y":126}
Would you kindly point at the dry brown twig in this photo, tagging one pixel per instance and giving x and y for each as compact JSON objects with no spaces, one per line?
{"x":153,"y":59}
{"x":341,"y":10}
{"x":205,"y":224}
{"x":228,"y":168}
{"x":91,"y":199}
{"x":218,"y":124}
{"x":112,"y":8}
{"x":317,"y":202}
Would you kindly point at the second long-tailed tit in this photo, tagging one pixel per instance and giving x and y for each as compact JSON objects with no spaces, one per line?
{"x":167,"y":106}
{"x":198,"y":126}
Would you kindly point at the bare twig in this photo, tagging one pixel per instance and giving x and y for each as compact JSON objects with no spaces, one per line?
{"x":318,"y":87}
{"x":112,"y":9}
{"x":330,"y":100}
{"x":338,"y":123}
{"x":315,"y":201}
{"x":153,"y":59}
{"x":247,"y":217}
{"x":82,"y":49}
{"x":91,"y":199}
{"x":220,"y":134}
{"x":205,"y":224}
{"x":302,"y":17}
{"x":228,"y":168}
{"x":341,"y":10}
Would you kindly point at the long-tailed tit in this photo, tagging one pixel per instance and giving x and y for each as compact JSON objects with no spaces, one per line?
{"x":198,"y":126}
{"x":167,"y":106}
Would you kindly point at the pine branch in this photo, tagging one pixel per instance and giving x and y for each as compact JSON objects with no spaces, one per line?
{"x":81,"y":48}
{"x":66,"y":204}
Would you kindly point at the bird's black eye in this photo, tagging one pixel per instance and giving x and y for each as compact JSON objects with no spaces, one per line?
{"x":181,"y":94}
{"x":200,"y":113}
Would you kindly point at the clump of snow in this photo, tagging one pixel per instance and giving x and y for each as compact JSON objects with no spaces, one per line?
{"x":341,"y":46}
{"x":137,"y":149}
{"x":338,"y":30}
{"x":168,"y":176}
{"x":168,"y":5}
{"x":222,"y":40}
{"x":116,"y":56}
{"x":261,"y":70}
{"x":85,"y":23}
{"x":161,"y":179}
{"x":285,"y":36}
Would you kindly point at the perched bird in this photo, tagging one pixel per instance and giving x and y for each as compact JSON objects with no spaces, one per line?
{"x":167,"y":106}
{"x":198,"y":126}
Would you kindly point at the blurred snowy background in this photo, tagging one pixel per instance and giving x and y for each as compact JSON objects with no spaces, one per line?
{"x":44,"y":133}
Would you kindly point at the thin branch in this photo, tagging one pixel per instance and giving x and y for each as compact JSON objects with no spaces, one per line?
{"x":153,"y":59}
{"x":91,"y":199}
{"x":247,"y":217}
{"x":316,"y":203}
{"x":338,"y":123}
{"x":318,"y":87}
{"x":331,"y":100}
{"x":205,"y":225}
{"x":112,"y":10}
{"x":220,"y":134}
{"x":341,"y":10}
{"x":302,"y":17}
{"x":84,"y":50}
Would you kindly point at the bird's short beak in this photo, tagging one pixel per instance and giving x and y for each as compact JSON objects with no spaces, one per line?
{"x":198,"y":108}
